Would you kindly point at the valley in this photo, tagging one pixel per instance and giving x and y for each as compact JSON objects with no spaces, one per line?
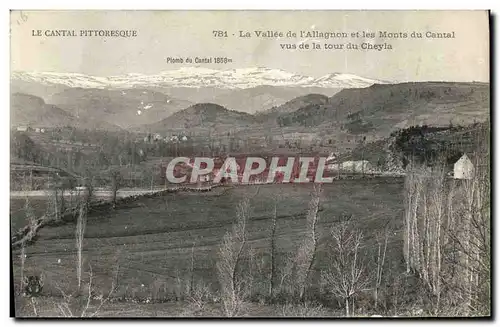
{"x":159,"y":246}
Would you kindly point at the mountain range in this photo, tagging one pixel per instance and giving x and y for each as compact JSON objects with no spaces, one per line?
{"x":248,"y":90}
{"x":374,"y":111}
{"x":382,"y":108}
{"x":252,"y":99}
{"x":195,"y":77}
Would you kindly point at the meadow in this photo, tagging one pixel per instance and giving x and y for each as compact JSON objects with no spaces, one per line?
{"x":154,"y":249}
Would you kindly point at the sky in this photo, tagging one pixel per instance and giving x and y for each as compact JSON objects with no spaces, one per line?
{"x":181,"y":34}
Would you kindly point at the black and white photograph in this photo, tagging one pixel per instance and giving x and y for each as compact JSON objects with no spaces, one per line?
{"x":250,"y":164}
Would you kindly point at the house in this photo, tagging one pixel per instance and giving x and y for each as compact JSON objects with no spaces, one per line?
{"x":204,"y":178}
{"x":39,"y":130}
{"x":331,"y":158}
{"x":22,"y":128}
{"x":463,"y":168}
{"x":359,"y":166}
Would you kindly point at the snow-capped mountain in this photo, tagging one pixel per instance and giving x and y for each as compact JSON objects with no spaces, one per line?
{"x":338,"y":80}
{"x":196,"y":77}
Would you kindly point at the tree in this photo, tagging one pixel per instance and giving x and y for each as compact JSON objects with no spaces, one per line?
{"x":382,"y":238}
{"x":229,"y":256}
{"x":88,"y":183}
{"x":79,"y":235}
{"x":116,"y":180}
{"x":306,"y":253}
{"x":347,"y":276}
{"x":272,"y":276}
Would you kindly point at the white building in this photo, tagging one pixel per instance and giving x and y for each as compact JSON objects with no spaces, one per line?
{"x":463,"y":168}
{"x":331,"y":158}
{"x":204,"y":178}
{"x":360,"y":166}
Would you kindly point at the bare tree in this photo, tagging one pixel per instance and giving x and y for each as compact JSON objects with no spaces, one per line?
{"x":286,"y":283}
{"x":93,"y":300}
{"x":382,"y":250}
{"x":347,"y":276}
{"x":88,"y":183}
{"x":230,"y":253}
{"x":23,"y":260}
{"x":56,"y":200}
{"x":79,"y":235}
{"x":425,"y":221}
{"x":32,"y":222}
{"x":62,"y":204}
{"x":272,"y":275}
{"x":191,"y":272}
{"x":307,"y":251}
{"x":413,"y":192}
{"x":115,"y":185}
{"x":56,"y":208}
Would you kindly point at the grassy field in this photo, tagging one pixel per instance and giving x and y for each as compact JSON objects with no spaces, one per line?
{"x":182,"y":309}
{"x":148,"y":246}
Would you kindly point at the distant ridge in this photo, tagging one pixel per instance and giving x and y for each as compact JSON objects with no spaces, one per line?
{"x":196,"y":77}
{"x":204,"y":115}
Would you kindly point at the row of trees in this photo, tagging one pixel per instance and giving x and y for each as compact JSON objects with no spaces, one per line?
{"x":295,"y":278}
{"x":435,"y":145}
{"x":447,"y":234}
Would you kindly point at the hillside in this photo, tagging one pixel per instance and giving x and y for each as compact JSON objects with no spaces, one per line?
{"x":295,"y":104}
{"x":204,"y":116}
{"x":314,"y":121}
{"x":39,"y":89}
{"x":262,"y":98}
{"x":381,"y":108}
{"x":423,"y":144}
{"x":29,"y":110}
{"x":125,"y":108}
